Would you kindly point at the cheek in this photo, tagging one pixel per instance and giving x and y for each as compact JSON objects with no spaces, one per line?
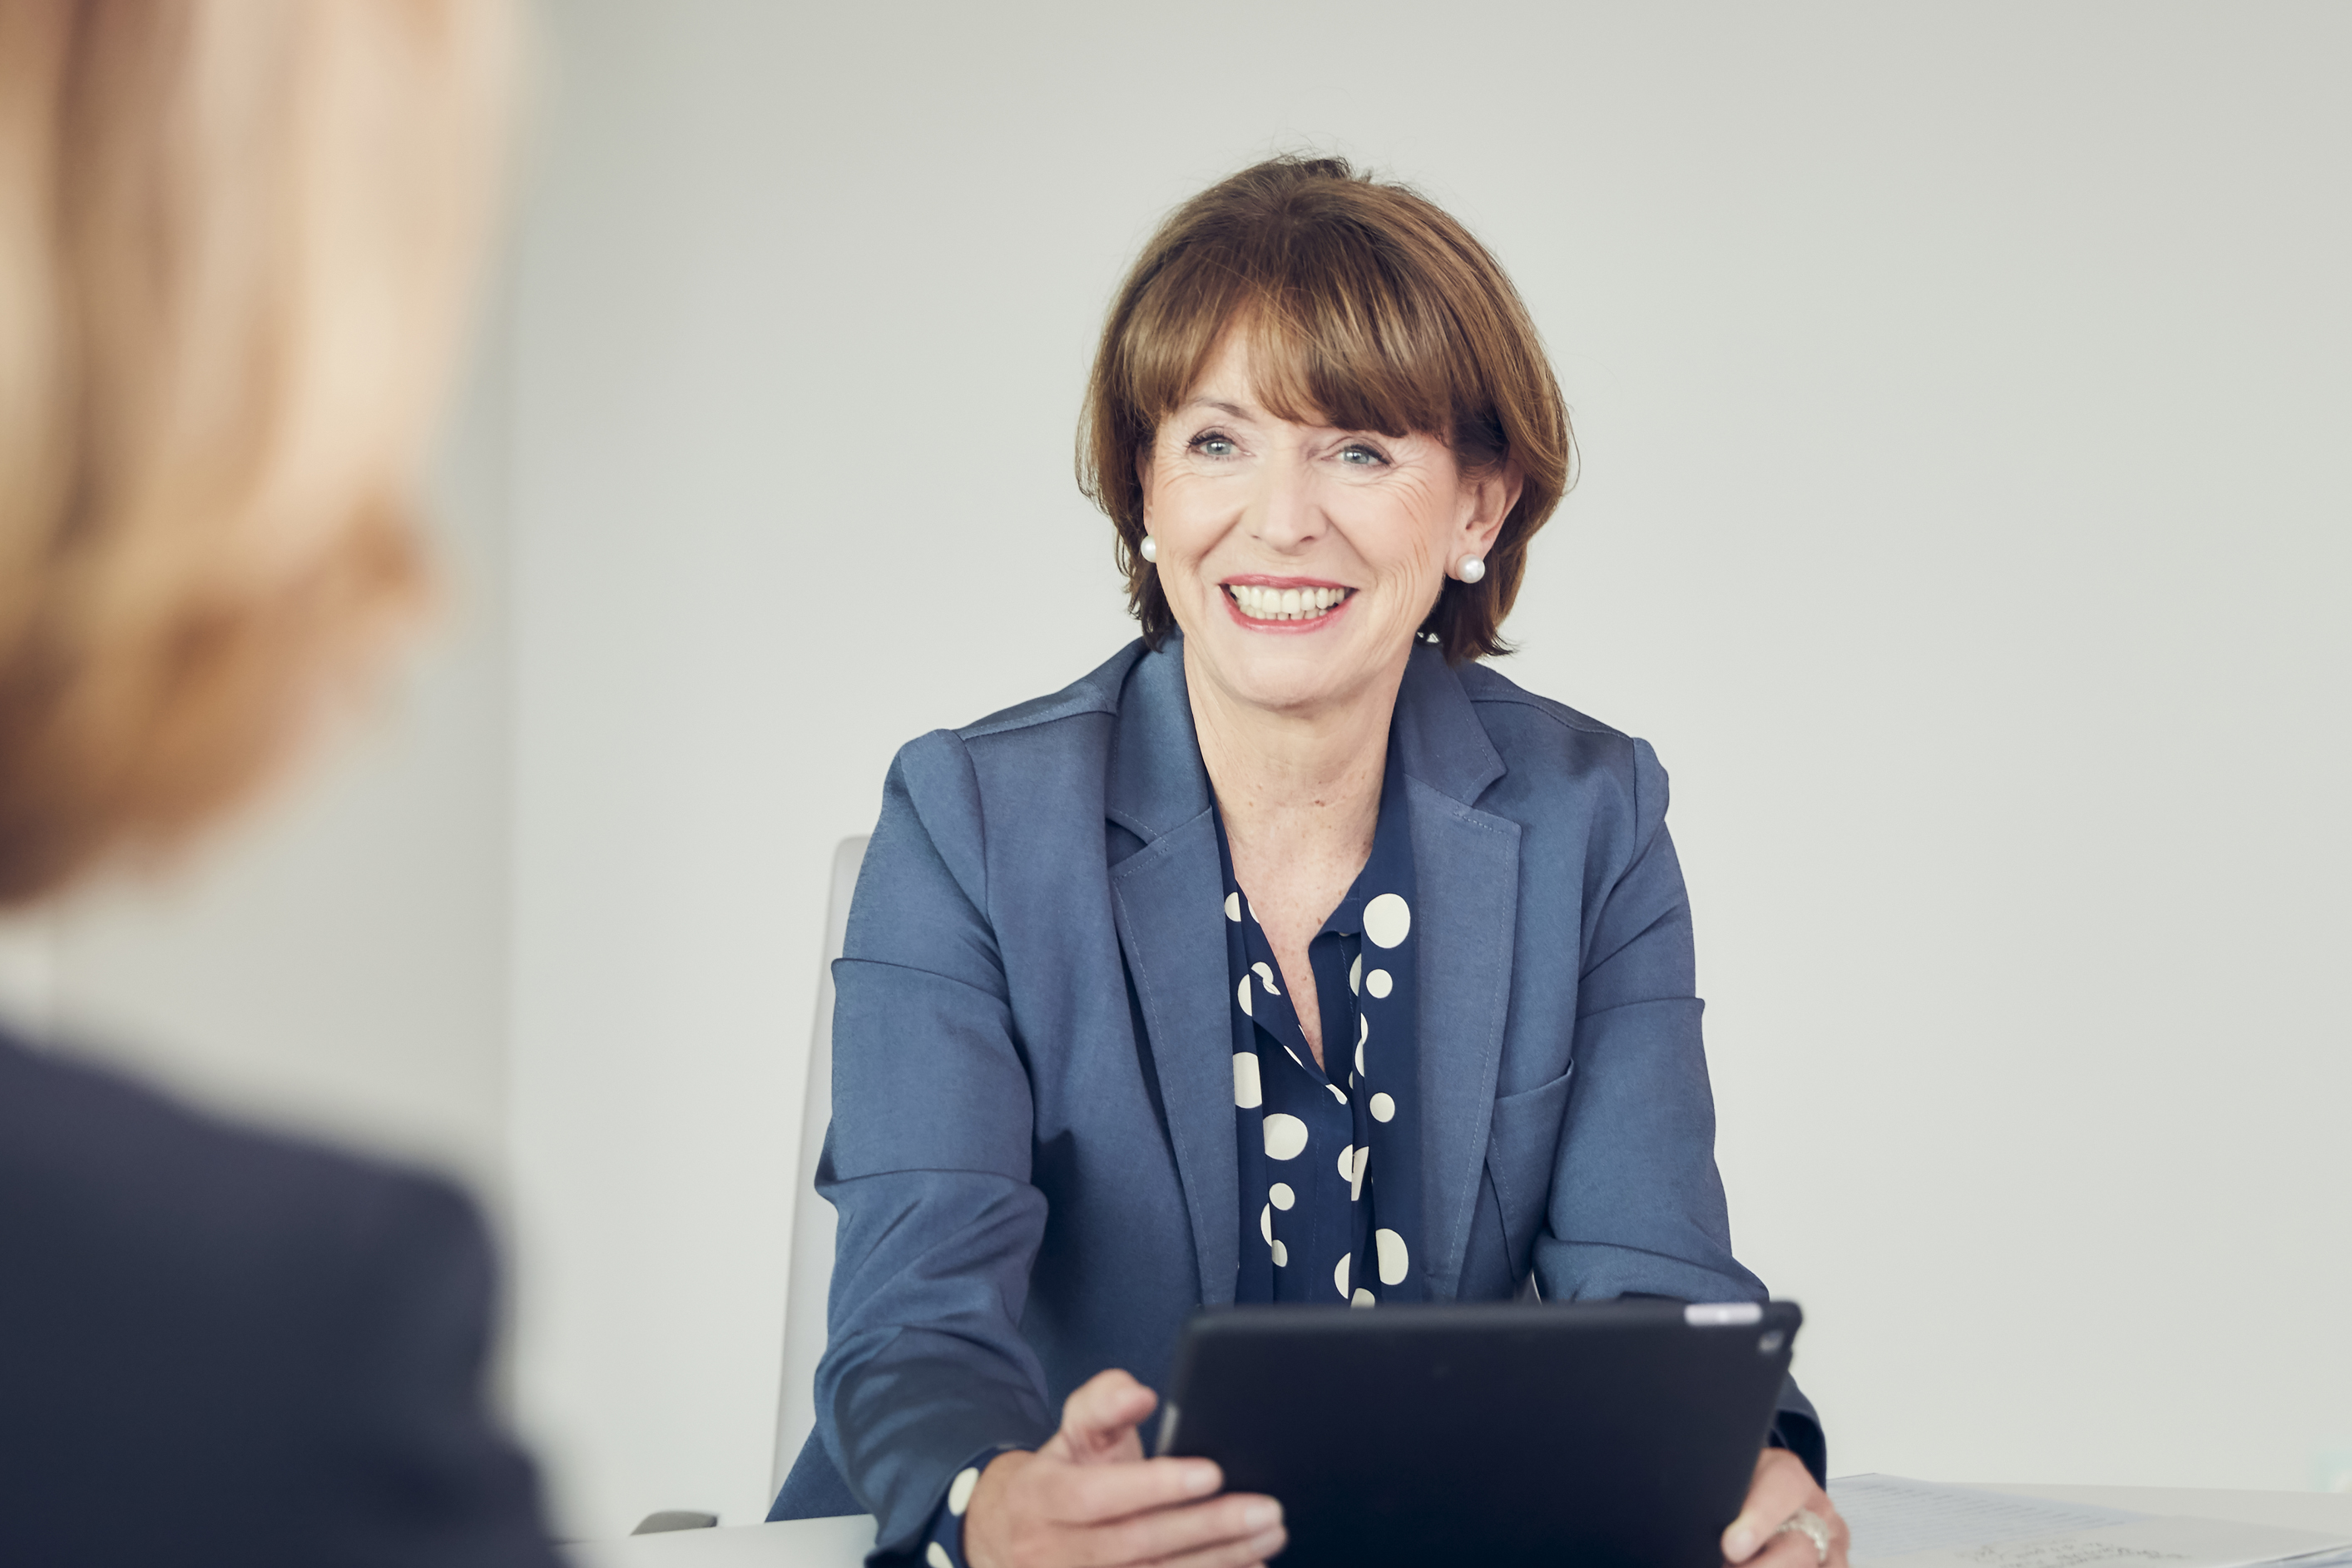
{"x":1401,"y":541}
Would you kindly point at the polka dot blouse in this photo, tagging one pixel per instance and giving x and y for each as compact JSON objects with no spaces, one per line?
{"x":1329,"y":1153}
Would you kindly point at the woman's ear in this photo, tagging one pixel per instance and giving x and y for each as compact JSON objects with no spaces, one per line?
{"x":1490,"y":498}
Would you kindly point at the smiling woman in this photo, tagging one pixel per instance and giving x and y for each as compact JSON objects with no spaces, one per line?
{"x":1259,"y":965}
{"x":1356,"y":305}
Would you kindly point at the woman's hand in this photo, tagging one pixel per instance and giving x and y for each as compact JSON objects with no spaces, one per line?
{"x":1089,"y":1499}
{"x":1780,"y":1485}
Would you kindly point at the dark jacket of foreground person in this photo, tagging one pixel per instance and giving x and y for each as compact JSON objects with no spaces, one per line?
{"x":218,"y":1346}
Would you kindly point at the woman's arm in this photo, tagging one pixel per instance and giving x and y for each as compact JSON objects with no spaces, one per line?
{"x":1636,"y":1205}
{"x":927,"y":1163}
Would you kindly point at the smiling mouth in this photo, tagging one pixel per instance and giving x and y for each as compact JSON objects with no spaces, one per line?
{"x":1257,"y":603}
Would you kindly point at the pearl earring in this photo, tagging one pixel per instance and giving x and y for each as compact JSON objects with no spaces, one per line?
{"x":1471,"y":570}
{"x":1150,"y":548}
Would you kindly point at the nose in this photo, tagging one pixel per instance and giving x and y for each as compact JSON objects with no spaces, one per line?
{"x":1284,"y":514}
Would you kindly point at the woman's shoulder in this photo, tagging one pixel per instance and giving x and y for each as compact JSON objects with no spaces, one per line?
{"x":1487,"y":685}
{"x":1040,"y":719}
{"x":1013,"y":757}
{"x":129,"y":1167}
{"x":1096,"y":692}
{"x":1552,"y":752}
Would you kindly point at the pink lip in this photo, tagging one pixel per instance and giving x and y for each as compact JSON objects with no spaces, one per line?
{"x":1282,"y":628}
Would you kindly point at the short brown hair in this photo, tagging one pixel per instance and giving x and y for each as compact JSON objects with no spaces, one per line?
{"x":233,"y":240}
{"x":1369,"y":307}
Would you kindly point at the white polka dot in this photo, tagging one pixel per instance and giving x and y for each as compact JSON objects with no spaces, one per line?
{"x":937,"y":1556}
{"x":1356,"y":1173}
{"x":1232,"y":906}
{"x":1281,"y":1256}
{"x":960,"y":1491}
{"x":1364,"y":1299}
{"x":1339,"y":1274}
{"x":1240,"y":995}
{"x":1264,"y":974}
{"x":1378,"y":983}
{"x":1387,"y":919}
{"x":1356,"y":974}
{"x":1363,"y":1033}
{"x":1248,"y":1093}
{"x":1336,"y":1093}
{"x":1293,"y":1055}
{"x":1394,"y":1259}
{"x":1285,"y":1136}
{"x":1347,"y":1159}
{"x":1383,"y":1108}
{"x":1282,"y":1195}
{"x":1265,"y":1223}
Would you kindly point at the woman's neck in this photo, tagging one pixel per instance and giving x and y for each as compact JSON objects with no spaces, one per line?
{"x":1296,"y":790}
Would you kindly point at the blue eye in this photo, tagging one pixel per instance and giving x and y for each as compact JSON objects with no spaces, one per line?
{"x":1212,"y":444}
{"x":1360,"y":454}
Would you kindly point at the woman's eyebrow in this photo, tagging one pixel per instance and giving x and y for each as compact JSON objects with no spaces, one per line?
{"x":1235,"y":410}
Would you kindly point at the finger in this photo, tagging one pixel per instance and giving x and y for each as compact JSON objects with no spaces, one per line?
{"x":1780,"y":1487}
{"x":1100,"y":1416}
{"x":1255,"y":1550}
{"x":1227,"y":1524}
{"x":1102,"y":1494}
{"x":1787,"y":1549}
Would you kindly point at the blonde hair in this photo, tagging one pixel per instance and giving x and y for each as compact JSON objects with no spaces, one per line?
{"x":235,"y":240}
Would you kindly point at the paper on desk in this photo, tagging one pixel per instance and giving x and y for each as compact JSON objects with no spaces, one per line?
{"x":1893,"y":1517}
{"x":1917,"y":1524}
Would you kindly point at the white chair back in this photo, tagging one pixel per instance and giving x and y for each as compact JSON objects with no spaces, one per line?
{"x":811,"y":1257}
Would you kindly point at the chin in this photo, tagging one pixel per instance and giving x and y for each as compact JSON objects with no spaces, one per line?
{"x":1286,"y":675}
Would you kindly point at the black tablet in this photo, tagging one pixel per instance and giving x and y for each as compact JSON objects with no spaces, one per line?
{"x":1601,"y":1433}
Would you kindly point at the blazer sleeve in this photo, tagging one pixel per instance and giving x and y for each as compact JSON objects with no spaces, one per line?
{"x":1637,"y":1205}
{"x":927,"y":1164}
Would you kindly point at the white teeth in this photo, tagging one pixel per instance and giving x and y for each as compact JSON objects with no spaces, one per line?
{"x":1284,"y":603}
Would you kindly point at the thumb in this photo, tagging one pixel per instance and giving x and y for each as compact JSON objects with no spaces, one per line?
{"x":1099,"y":1420}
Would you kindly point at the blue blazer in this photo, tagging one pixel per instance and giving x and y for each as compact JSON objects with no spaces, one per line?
{"x":1032,"y":1150}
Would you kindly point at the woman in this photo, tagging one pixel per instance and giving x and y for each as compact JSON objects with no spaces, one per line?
{"x":235,"y":237}
{"x":1291,"y":955}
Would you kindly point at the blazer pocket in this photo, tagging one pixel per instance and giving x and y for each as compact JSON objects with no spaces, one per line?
{"x":1521,"y":1147}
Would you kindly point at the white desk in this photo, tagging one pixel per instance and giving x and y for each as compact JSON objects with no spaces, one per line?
{"x":843,"y":1542}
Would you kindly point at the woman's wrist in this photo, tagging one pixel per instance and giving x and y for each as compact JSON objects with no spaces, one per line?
{"x":981,"y":1547}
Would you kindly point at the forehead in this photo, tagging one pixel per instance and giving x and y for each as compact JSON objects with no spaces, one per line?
{"x":1257,"y":365}
{"x":1229,"y":384}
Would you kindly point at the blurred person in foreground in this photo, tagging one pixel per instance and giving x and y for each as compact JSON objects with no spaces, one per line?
{"x":235,"y":240}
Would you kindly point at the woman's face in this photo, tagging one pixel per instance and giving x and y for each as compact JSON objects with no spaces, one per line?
{"x":1299,"y":560}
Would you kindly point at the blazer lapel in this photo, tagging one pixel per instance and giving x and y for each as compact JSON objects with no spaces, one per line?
{"x":1466,"y":864}
{"x":1467,"y":871}
{"x":1168,"y":899}
{"x":1167,"y":902}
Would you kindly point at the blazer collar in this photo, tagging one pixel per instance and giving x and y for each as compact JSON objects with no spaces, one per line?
{"x":1157,"y":781}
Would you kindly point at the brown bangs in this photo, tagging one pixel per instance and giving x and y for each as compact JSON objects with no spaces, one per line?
{"x":1367,"y":308}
